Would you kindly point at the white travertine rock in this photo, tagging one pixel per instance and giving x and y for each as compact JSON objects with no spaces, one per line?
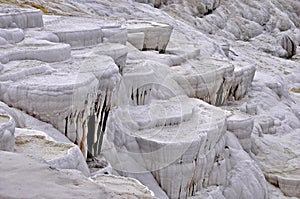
{"x":280,"y":162}
{"x":168,"y":139}
{"x":276,"y":193}
{"x":115,"y":34}
{"x":156,"y":35}
{"x":241,"y":125}
{"x":246,"y":180}
{"x":116,"y":51}
{"x":208,"y":80}
{"x":3,"y":41}
{"x":91,"y":81}
{"x":243,"y":76}
{"x":20,"y":173}
{"x":12,"y":35}
{"x":74,"y":31}
{"x":148,"y":179}
{"x":20,"y":18}
{"x":204,"y":26}
{"x":123,"y":186}
{"x":7,"y":130}
{"x":31,"y":49}
{"x":155,"y":3}
{"x":137,"y":39}
{"x":18,"y":119}
{"x":82,"y":32}
{"x":266,"y":125}
{"x":182,"y":142}
{"x":57,"y":154}
{"x":214,"y":82}
{"x":242,"y":170}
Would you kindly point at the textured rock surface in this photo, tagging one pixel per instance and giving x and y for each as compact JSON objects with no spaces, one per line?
{"x":27,"y":173}
{"x":136,"y":72}
{"x":20,"y":18}
{"x":123,"y":186}
{"x":156,"y":35}
{"x":182,"y":142}
{"x":57,"y":154}
{"x":241,"y":125}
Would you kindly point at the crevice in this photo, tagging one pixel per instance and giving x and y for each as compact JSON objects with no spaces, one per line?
{"x":66,"y":126}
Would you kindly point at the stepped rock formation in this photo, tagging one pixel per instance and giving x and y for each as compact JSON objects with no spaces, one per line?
{"x":192,"y":99}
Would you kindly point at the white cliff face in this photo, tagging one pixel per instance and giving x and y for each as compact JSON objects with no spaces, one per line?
{"x":144,"y":77}
{"x":40,"y":79}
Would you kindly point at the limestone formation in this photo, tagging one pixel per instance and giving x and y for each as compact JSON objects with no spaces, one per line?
{"x":20,"y":18}
{"x":156,"y":35}
{"x":172,"y":145}
{"x":82,"y":72}
{"x":123,"y":186}
{"x":57,"y":154}
{"x":131,"y":88}
{"x":241,"y":125}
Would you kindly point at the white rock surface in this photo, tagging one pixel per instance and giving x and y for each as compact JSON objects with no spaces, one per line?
{"x":27,"y":173}
{"x":7,"y":130}
{"x":241,"y":125}
{"x":123,"y":186}
{"x":35,"y":50}
{"x":156,"y":35}
{"x":213,"y":52}
{"x":182,"y":142}
{"x":57,"y":154}
{"x":12,"y":35}
{"x":20,"y":18}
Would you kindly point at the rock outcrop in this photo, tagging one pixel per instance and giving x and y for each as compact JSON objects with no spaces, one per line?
{"x":139,"y":85}
{"x":90,"y":79}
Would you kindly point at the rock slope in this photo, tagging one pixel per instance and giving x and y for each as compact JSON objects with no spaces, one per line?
{"x":138,"y":82}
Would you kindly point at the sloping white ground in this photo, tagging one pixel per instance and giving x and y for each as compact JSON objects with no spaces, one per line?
{"x":25,"y":177}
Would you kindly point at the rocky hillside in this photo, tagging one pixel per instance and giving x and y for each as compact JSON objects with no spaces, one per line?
{"x":192,"y":99}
